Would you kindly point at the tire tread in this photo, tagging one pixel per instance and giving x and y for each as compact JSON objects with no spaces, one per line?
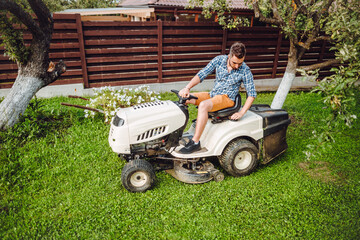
{"x":133,"y":166}
{"x":227,"y":157}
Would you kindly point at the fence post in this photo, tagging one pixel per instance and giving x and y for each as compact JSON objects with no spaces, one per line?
{"x":224,"y":41}
{"x":160,"y":48}
{"x":79,"y":30}
{"x":277,"y":53}
{"x":322,"y":51}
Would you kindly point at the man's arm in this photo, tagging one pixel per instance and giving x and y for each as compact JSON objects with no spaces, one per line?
{"x":251,"y":92}
{"x":200,"y":76}
{"x":185,"y":92}
{"x":244,"y":109}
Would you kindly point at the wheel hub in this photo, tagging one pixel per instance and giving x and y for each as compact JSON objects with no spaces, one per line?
{"x":242,"y":160}
{"x":139,"y":179}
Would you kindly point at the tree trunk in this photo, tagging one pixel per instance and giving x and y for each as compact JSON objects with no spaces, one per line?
{"x":16,"y":102}
{"x":35,"y":69}
{"x":283,"y":90}
{"x":287,"y":79}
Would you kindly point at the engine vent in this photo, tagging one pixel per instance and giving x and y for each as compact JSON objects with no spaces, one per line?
{"x":148,"y":104}
{"x":151,"y":133}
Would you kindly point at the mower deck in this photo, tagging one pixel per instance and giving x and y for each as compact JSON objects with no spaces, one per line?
{"x":194,"y":173}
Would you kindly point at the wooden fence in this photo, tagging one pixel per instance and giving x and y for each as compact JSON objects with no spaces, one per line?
{"x":103,"y":53}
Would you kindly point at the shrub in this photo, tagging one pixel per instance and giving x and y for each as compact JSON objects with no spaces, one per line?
{"x":109,"y":100}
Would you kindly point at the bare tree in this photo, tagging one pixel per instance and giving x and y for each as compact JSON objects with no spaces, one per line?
{"x":35,"y":70}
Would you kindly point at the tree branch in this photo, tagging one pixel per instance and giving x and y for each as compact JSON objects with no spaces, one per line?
{"x":43,"y":14}
{"x":23,"y":16}
{"x":275,"y":11}
{"x":264,"y":19}
{"x":82,"y":107}
{"x":321,"y":65}
{"x":317,"y":16}
{"x":300,"y":6}
{"x":292,"y":20}
{"x":53,"y":75}
{"x":12,"y":39}
{"x":326,"y":38}
{"x":310,"y":40}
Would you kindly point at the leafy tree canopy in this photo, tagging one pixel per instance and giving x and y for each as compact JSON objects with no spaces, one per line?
{"x":12,"y":38}
{"x":60,"y":5}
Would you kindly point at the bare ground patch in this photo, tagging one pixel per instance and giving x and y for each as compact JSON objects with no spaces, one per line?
{"x":320,"y":171}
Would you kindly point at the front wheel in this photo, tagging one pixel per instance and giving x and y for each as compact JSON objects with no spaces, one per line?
{"x":138,"y":176}
{"x":239,"y":158}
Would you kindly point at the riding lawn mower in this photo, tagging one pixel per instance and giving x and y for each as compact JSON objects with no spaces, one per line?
{"x":149,"y":136}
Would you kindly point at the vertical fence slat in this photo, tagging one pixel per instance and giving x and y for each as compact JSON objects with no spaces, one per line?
{"x":224,"y":41}
{"x":160,"y":49}
{"x":82,"y":51}
{"x":322,"y":51}
{"x":277,"y":53}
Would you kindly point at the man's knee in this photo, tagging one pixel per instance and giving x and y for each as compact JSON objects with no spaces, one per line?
{"x":206,"y":105}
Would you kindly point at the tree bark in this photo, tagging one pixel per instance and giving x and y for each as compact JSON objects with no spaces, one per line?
{"x":31,"y":78}
{"x":321,"y":65}
{"x":34,"y":72}
{"x":283,"y":90}
{"x":16,"y":102}
{"x":287,"y":79}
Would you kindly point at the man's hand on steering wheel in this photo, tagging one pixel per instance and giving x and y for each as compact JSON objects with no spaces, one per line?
{"x":184,"y":93}
{"x":181,"y":98}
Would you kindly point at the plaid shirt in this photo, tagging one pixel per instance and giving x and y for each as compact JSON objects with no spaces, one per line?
{"x":228,"y":83}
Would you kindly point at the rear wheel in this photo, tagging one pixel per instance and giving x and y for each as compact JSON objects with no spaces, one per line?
{"x":138,"y":176}
{"x":239,"y":158}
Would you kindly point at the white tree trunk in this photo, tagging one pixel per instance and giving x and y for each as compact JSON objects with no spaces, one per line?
{"x":283,"y":90}
{"x":16,"y":102}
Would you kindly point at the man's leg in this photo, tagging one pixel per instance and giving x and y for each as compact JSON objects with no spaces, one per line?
{"x":213,"y":104}
{"x":202,"y":118}
{"x":205,"y":105}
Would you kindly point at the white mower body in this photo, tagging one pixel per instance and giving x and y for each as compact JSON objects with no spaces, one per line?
{"x":143,"y":123}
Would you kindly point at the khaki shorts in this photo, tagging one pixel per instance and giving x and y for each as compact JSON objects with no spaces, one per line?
{"x":218,"y":101}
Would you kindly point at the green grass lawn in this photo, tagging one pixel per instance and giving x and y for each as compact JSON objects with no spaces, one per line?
{"x":60,"y":180}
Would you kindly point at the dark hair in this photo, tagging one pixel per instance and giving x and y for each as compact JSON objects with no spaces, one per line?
{"x":238,"y":50}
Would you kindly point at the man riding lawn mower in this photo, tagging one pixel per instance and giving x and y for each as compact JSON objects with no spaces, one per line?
{"x":151,"y":135}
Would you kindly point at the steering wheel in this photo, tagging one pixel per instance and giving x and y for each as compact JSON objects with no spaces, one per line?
{"x":181,"y":99}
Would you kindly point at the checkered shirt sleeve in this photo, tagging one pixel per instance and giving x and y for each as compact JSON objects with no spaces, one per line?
{"x":203,"y":73}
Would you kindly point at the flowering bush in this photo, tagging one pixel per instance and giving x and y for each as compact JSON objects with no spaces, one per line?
{"x":109,"y":100}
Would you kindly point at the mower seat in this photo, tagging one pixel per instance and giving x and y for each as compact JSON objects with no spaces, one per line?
{"x":227,"y":111}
